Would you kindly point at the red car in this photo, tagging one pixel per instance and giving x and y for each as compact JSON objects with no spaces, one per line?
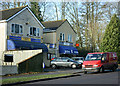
{"x":99,"y":61}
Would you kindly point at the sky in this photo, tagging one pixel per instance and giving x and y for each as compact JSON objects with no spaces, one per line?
{"x":62,"y":0}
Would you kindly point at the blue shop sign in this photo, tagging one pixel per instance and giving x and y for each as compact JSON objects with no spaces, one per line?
{"x":24,"y":39}
{"x":52,"y":46}
{"x":15,"y":37}
{"x":35,"y":40}
{"x":68,"y":50}
{"x":66,"y":43}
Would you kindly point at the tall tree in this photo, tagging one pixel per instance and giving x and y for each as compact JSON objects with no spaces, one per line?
{"x":36,"y":10}
{"x":111,"y":40}
{"x":63,"y":6}
{"x":56,"y":10}
{"x":73,"y":16}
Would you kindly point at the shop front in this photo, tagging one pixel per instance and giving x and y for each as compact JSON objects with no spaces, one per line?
{"x":67,"y":51}
{"x":61,"y":51}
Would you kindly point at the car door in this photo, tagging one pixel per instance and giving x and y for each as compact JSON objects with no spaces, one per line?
{"x":59,"y":62}
{"x":105,"y":63}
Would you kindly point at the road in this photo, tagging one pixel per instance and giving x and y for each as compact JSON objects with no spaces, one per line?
{"x":91,"y":78}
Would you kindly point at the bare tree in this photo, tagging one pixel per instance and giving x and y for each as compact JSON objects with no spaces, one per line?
{"x":56,"y":10}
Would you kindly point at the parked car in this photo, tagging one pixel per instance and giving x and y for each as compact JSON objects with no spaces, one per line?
{"x":99,"y":61}
{"x":78,"y":59}
{"x":64,"y":62}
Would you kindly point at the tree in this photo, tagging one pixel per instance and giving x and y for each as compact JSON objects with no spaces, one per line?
{"x":111,"y":40}
{"x":36,"y":10}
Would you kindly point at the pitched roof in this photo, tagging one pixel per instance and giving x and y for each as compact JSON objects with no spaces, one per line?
{"x":9,"y":12}
{"x":53,"y":25}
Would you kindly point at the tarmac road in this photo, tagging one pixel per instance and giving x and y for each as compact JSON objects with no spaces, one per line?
{"x":91,"y":78}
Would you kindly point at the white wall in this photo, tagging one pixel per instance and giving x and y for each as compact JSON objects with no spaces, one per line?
{"x":23,"y":18}
{"x":49,"y":37}
{"x":3,"y":37}
{"x":21,"y":55}
{"x":18,"y":56}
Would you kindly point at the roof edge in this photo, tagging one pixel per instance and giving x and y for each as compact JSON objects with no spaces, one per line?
{"x":26,"y":7}
{"x":2,"y":21}
{"x":69,"y":24}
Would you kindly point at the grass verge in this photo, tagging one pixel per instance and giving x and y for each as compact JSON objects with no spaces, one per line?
{"x":21,"y":79}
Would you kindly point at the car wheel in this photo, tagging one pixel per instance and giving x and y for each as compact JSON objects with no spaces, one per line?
{"x":113,"y":68}
{"x":85,"y":72}
{"x":54,"y":66}
{"x":101,"y":69}
{"x":73,"y":66}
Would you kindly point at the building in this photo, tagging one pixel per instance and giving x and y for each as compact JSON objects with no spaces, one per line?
{"x":60,"y":38}
{"x":21,"y":47}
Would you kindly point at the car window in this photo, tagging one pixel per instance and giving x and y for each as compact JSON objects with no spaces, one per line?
{"x":81,"y":58}
{"x":76,"y":59}
{"x":64,"y":60}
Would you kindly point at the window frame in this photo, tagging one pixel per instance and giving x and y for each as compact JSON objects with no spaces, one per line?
{"x":8,"y":58}
{"x":37,"y":31}
{"x":69,"y":38}
{"x":13,"y":30}
{"x":63,"y":36}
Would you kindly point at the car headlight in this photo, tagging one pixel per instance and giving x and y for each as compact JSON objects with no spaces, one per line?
{"x":95,"y":65}
{"x":83,"y":66}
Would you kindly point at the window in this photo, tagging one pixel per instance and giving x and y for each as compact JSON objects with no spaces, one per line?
{"x":69,"y":38}
{"x":34,"y":31}
{"x":8,"y":58}
{"x":16,"y":28}
{"x":38,"y":32}
{"x":105,"y":56}
{"x":62,"y":37}
{"x":49,"y":56}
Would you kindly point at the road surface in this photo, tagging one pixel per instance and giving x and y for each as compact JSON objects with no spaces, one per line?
{"x":91,"y":78}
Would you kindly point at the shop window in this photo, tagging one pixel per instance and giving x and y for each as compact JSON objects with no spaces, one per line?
{"x":34,"y":31}
{"x":16,"y":28}
{"x":8,"y":58}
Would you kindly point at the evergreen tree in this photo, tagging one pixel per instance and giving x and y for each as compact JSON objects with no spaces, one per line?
{"x":36,"y":10}
{"x":111,"y":40}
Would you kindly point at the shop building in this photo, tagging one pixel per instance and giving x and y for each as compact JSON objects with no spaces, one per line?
{"x":60,"y":38}
{"x":21,"y":41}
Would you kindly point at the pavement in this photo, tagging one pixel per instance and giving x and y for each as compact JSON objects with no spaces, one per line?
{"x":47,"y":71}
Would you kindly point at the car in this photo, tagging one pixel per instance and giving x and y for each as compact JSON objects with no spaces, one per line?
{"x":78,"y":59}
{"x":100,"y":61}
{"x":64,"y":62}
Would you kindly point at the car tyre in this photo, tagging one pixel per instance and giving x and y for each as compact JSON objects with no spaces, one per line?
{"x":73,"y":66}
{"x":85,"y":72}
{"x":113,"y":68}
{"x":54,"y":66}
{"x":101,"y":70}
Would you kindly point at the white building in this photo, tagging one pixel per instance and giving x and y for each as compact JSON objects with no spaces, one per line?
{"x":20,"y":41}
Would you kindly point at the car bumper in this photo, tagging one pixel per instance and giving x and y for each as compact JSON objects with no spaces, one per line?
{"x":91,"y":69}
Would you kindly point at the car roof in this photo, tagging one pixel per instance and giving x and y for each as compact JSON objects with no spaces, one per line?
{"x":77,"y":57}
{"x":100,"y":52}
